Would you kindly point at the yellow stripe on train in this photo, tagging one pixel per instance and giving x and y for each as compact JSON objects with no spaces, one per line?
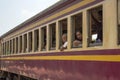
{"x":111,"y":58}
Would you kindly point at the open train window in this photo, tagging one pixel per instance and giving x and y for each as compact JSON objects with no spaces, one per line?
{"x":36,"y":40}
{"x":118,"y":7}
{"x":21,"y":42}
{"x":95,"y":28}
{"x":25,"y":43}
{"x":13,"y":46}
{"x":77,"y":30}
{"x":43,"y":38}
{"x":16,"y":44}
{"x":63,"y":34}
{"x":30,"y":38}
{"x":10,"y":46}
{"x":52,"y":36}
{"x":6,"y":43}
{"x":4,"y":48}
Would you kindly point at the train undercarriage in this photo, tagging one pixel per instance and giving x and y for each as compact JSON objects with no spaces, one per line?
{"x":12,"y":76}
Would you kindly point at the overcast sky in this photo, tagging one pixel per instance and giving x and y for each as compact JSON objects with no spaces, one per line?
{"x":14,"y":12}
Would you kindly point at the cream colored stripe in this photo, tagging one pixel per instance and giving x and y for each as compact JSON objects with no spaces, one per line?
{"x":112,"y":58}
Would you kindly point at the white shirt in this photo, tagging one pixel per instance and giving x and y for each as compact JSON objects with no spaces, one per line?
{"x":65,"y":44}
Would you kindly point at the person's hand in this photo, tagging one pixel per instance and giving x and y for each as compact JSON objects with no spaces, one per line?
{"x":76,"y":43}
{"x":62,"y":48}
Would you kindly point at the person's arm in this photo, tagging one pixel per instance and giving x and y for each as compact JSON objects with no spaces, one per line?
{"x":64,"y":46}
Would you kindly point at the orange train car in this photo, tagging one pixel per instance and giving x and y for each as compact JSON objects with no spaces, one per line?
{"x":89,"y":49}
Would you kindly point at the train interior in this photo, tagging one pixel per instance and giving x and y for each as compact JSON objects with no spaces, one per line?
{"x":20,"y":44}
{"x":44,"y":37}
{"x":25,"y":43}
{"x":52,"y":36}
{"x":63,"y":29}
{"x":76,"y":27}
{"x":95,"y":27}
{"x":118,"y":21}
{"x":30,"y":36}
{"x":36,"y":40}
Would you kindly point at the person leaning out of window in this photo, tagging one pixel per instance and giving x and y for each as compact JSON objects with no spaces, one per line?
{"x":78,"y":39}
{"x":64,"y":41}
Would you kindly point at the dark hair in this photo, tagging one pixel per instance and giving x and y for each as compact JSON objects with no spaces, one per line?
{"x":75,"y":34}
{"x":100,"y":12}
{"x":78,"y":31}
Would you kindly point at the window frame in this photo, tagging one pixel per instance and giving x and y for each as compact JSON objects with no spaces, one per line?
{"x":51,"y":36}
{"x":73,"y":27}
{"x":60,"y":32}
{"x":36,"y":42}
{"x":42,"y":38}
{"x":89,"y":37}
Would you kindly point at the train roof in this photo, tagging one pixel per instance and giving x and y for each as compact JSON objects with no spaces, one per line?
{"x":40,"y":15}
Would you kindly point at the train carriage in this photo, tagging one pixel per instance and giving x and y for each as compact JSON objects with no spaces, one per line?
{"x":89,"y":49}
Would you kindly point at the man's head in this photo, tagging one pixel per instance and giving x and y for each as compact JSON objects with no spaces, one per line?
{"x":78,"y":35}
{"x":64,"y":37}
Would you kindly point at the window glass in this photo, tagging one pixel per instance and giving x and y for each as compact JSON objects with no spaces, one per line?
{"x":44,"y":36}
{"x":63,"y":34}
{"x":36,"y":40}
{"x":30,"y":36}
{"x":77,"y":30}
{"x":95,"y":28}
{"x":52,"y":36}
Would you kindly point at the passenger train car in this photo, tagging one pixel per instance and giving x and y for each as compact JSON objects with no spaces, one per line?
{"x":32,"y":50}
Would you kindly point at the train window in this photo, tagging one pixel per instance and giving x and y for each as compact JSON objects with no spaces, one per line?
{"x":16,"y":44}
{"x":118,"y":12}
{"x":118,"y":21}
{"x":77,"y":30}
{"x":63,"y":34}
{"x":4,"y":48}
{"x":13,"y":46}
{"x":36,"y":40}
{"x":10,"y":46}
{"x":30,"y":38}
{"x":44,"y":36}
{"x":7,"y":47}
{"x":95,"y":28}
{"x":21,"y":42}
{"x":1,"y":48}
{"x":25,"y":43}
{"x":52,"y":36}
